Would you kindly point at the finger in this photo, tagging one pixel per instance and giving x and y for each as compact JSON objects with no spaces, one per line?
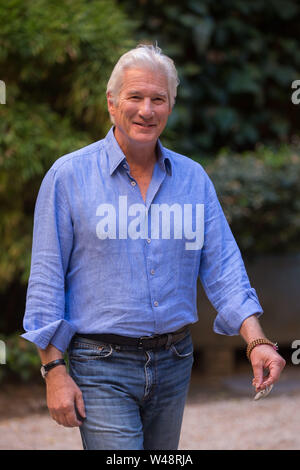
{"x":258,"y":375}
{"x":58,"y":418}
{"x":65,"y":417}
{"x":80,"y":408}
{"x":68,"y":420}
{"x":274,"y":373}
{"x":71,"y":418}
{"x":267,"y":381}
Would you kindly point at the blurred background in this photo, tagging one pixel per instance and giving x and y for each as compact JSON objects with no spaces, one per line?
{"x":236,"y":113}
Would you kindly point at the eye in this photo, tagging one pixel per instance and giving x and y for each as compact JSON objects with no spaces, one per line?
{"x":158,"y":99}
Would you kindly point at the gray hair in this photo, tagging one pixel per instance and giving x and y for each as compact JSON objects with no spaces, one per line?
{"x":147,"y":57}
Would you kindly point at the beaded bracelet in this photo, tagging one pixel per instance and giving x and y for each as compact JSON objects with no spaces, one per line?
{"x":255,"y":342}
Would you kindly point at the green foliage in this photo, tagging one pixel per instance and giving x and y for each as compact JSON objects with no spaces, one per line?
{"x":22,"y":359}
{"x":236,"y":61}
{"x":260,"y":194}
{"x":55,"y":59}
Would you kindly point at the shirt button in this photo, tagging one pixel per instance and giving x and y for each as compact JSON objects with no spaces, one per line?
{"x":148,"y":240}
{"x":133,"y":183}
{"x":152,"y":271}
{"x":155,"y":303}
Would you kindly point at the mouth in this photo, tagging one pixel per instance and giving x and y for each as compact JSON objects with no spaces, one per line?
{"x":144,"y":125}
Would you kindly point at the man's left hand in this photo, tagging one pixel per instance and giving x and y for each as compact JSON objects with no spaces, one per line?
{"x":264,"y":358}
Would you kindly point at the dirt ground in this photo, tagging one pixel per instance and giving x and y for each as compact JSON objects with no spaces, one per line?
{"x":220,"y":414}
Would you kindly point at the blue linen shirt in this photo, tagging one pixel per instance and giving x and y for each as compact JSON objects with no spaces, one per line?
{"x":100,"y":264}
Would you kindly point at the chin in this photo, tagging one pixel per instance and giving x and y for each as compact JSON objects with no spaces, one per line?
{"x":144,"y":137}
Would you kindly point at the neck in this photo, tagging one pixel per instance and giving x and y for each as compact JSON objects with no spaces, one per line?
{"x":138,"y":155}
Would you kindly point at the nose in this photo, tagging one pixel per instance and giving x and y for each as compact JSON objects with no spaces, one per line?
{"x":146,"y":109}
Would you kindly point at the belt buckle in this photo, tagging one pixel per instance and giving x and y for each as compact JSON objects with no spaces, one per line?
{"x":141,"y":338}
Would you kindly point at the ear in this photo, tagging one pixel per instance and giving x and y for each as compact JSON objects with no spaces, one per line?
{"x":110,"y":103}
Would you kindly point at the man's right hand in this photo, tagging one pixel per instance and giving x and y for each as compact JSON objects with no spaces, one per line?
{"x":64,"y":397}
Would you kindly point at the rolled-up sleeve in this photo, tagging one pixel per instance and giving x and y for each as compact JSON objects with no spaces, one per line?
{"x":44,"y":319}
{"x":222,"y":271}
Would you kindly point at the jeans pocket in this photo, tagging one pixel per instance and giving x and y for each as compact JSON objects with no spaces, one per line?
{"x":87,"y":352}
{"x":183,"y":348}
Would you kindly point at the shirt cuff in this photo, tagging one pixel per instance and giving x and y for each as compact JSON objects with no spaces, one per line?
{"x":229,"y":320}
{"x":58,"y":333}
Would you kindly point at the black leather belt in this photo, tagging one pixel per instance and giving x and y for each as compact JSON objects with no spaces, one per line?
{"x":143,"y":342}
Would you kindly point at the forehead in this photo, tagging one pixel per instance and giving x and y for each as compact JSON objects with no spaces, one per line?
{"x":144,"y":80}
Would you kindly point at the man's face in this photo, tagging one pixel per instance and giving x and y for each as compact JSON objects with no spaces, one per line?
{"x":143,"y":107}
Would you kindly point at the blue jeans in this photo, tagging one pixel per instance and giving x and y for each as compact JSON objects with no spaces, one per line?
{"x":134,"y":399}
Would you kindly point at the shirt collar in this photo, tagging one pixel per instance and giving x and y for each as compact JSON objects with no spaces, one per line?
{"x":116,"y":156}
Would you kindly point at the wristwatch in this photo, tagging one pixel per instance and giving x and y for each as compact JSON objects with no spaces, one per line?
{"x":46,"y":367}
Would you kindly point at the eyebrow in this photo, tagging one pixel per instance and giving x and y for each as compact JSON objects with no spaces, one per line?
{"x":136,"y":92}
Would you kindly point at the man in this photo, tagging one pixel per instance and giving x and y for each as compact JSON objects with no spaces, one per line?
{"x":123,"y":228}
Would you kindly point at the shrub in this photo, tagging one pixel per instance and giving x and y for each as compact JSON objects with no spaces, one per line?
{"x":236,"y":61}
{"x":22,"y":359}
{"x":55,"y":59}
{"x":260,"y":194}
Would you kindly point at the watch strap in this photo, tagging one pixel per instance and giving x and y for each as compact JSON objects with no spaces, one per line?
{"x":52,"y":364}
